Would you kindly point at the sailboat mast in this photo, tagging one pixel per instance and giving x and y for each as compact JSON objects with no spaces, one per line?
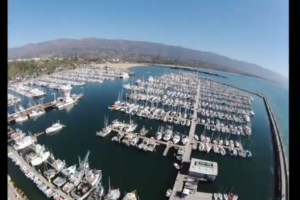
{"x":109,"y":183}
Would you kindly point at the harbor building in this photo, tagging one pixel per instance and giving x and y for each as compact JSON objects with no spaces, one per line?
{"x":203,"y":169}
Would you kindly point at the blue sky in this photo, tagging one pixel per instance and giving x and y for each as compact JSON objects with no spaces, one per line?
{"x":254,"y":31}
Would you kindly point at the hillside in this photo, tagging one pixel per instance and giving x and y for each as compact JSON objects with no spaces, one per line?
{"x":143,"y":52}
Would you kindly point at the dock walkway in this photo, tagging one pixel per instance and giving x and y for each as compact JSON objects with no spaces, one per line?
{"x":50,"y":185}
{"x":178,"y":186}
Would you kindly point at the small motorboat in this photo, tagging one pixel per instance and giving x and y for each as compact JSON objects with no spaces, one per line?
{"x":55,"y":127}
{"x":176,"y":166}
{"x":169,"y":192}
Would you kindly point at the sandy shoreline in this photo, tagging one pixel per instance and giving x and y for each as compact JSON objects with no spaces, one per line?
{"x":127,"y":66}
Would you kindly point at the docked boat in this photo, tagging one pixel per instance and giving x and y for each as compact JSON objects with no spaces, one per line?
{"x":176,"y":166}
{"x":134,"y":141}
{"x":69,"y":171}
{"x":58,"y":165}
{"x":36,"y":113}
{"x":113,"y":194}
{"x":168,"y":134}
{"x":39,"y":156}
{"x":23,"y":142}
{"x":176,"y":138}
{"x":130,"y":196}
{"x":97,"y":194}
{"x":68,"y":187}
{"x":158,"y":135}
{"x":143,"y":144}
{"x":247,"y":118}
{"x":220,"y":196}
{"x":55,"y":127}
{"x":143,"y":131}
{"x":168,"y":193}
{"x":247,"y":130}
{"x":90,"y":182}
{"x":188,"y":122}
{"x":104,"y":132}
{"x":21,"y":118}
{"x":184,"y":139}
{"x":36,"y":93}
{"x":59,"y":181}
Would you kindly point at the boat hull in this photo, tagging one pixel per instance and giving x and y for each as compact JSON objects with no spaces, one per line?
{"x":52,"y":130}
{"x":40,"y":159}
{"x":62,"y":106}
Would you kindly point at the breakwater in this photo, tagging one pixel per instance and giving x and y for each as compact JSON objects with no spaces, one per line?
{"x":281,"y":167}
{"x":192,"y":69}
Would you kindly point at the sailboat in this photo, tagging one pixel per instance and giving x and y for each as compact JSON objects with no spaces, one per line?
{"x":113,"y":194}
{"x":106,"y":130}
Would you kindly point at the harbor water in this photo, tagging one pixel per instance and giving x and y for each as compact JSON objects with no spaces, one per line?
{"x":151,"y":173}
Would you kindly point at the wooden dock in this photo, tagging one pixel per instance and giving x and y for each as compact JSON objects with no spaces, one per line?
{"x":49,"y":184}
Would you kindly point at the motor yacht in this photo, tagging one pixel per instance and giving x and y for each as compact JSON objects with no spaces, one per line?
{"x":176,"y":138}
{"x":21,"y":118}
{"x":184,"y":139}
{"x":55,"y":127}
{"x":23,"y":142}
{"x":36,"y":113}
{"x":168,"y":134}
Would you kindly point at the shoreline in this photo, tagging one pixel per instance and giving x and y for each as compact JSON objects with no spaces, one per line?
{"x":127,"y":66}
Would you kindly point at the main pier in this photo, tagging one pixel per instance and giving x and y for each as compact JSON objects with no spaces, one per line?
{"x":178,"y":185}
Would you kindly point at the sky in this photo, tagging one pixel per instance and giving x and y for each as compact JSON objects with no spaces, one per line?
{"x":255,"y":31}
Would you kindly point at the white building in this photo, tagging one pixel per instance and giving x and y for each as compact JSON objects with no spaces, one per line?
{"x":203,"y":169}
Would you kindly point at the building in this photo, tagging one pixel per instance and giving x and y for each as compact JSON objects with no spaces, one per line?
{"x":203,"y":169}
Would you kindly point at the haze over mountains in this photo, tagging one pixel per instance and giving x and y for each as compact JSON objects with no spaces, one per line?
{"x":142,"y":51}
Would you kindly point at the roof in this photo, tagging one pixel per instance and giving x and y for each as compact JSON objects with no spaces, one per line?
{"x":203,"y":167}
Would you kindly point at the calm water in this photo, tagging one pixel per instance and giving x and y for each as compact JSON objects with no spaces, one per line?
{"x":151,"y":173}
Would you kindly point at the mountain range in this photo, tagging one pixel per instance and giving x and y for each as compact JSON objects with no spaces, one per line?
{"x":142,"y":52}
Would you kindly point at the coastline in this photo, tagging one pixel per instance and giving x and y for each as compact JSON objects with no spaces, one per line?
{"x":127,"y":66}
